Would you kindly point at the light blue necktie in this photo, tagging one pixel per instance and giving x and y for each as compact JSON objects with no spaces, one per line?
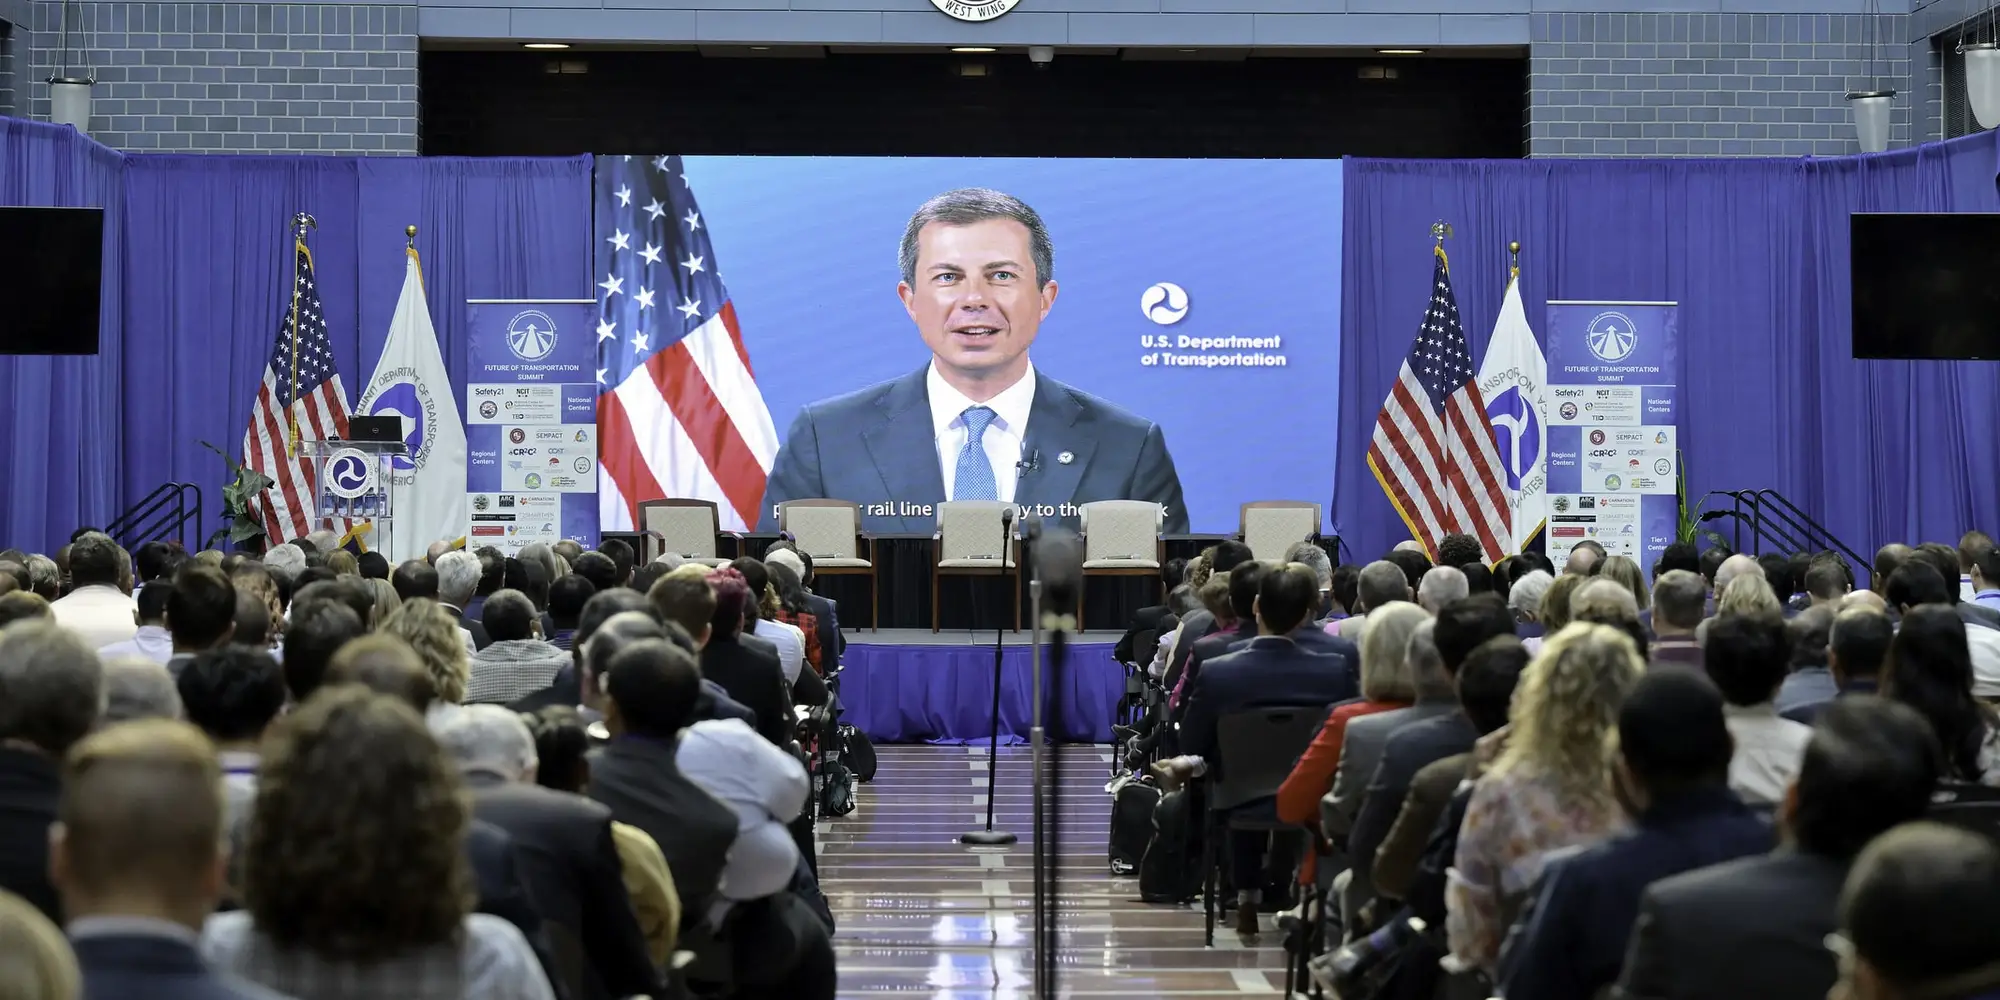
{"x":974,"y":480}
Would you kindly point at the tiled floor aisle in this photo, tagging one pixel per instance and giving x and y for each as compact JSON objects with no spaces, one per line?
{"x":921,"y":916}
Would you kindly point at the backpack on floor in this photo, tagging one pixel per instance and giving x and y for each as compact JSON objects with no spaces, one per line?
{"x":1170,"y":871}
{"x":836,"y":790}
{"x":858,"y":753}
{"x":1131,"y":825}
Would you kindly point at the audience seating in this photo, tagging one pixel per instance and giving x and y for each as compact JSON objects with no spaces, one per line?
{"x":1120,"y":538}
{"x":685,"y":527}
{"x":1260,"y":746}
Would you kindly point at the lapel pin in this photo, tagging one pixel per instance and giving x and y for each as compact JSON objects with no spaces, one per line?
{"x":1065,"y":458}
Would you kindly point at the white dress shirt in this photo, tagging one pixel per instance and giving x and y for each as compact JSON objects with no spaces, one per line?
{"x":766,"y":788}
{"x":99,"y":613}
{"x":1003,"y":436}
{"x":153,"y":642}
{"x":791,"y":643}
{"x":1768,"y":752}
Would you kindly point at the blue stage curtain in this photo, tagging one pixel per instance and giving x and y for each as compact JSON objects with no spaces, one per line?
{"x":944,"y":694}
{"x":59,"y":441}
{"x":1755,"y":251}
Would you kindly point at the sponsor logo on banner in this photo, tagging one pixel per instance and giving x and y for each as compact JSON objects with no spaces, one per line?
{"x":1560,"y":504}
{"x":487,"y":409}
{"x":1611,"y":336}
{"x":531,"y":335}
{"x":1663,"y":467}
{"x":517,"y":435}
{"x":1569,"y":411}
{"x":1597,"y":437}
{"x":534,"y":481}
{"x":481,"y":502}
{"x":1610,"y":482}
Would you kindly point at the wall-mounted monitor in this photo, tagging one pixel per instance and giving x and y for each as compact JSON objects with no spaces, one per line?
{"x":1926,"y":286}
{"x":52,"y":267}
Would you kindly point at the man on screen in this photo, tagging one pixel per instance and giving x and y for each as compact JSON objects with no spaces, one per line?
{"x":978,"y":422}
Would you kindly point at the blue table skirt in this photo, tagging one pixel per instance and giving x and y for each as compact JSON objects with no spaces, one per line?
{"x":944,"y":694}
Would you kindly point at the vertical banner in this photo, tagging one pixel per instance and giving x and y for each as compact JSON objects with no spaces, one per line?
{"x":531,"y":423}
{"x":1614,"y":373}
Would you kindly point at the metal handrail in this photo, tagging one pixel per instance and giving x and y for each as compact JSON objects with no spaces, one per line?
{"x":161,"y":514}
{"x":1773,"y":519}
{"x":1806,"y":523}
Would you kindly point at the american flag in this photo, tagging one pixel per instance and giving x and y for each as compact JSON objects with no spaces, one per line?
{"x":288,"y":507}
{"x":1433,"y":449}
{"x":678,"y":409}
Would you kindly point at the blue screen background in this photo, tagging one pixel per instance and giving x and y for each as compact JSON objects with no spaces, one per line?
{"x":807,"y":248}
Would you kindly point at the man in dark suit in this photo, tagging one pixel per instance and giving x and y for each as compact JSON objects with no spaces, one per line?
{"x":1272,"y":670}
{"x":458,"y":582}
{"x":979,"y":422}
{"x":1148,"y":618}
{"x":1757,"y":927}
{"x":564,"y":846}
{"x":1244,"y":581}
{"x":51,"y":687}
{"x":138,"y":857}
{"x":649,"y":688}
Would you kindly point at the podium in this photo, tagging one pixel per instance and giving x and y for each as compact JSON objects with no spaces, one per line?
{"x":354,"y":478}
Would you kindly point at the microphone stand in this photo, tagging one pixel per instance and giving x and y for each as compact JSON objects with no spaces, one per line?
{"x":990,"y":837}
{"x":1062,"y":564}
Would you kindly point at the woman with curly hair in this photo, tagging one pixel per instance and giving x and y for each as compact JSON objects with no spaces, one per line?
{"x":430,"y":630}
{"x":356,"y":885}
{"x":1549,"y":789}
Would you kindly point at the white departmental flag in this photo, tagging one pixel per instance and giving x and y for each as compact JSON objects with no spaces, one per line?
{"x":427,"y":494}
{"x":1512,"y":380}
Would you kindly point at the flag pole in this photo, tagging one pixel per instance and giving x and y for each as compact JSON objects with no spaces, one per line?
{"x":1514,"y":261}
{"x":1441,"y":231}
{"x":300,"y":223}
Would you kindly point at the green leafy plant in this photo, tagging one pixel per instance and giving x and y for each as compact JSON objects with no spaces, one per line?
{"x":1688,"y":528}
{"x":244,"y":485}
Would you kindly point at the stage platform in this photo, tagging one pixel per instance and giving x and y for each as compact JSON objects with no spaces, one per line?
{"x":916,"y":686}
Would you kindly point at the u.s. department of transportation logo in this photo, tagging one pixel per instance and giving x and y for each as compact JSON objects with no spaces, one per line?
{"x":348,"y":473}
{"x":401,"y":393}
{"x":1611,"y":336}
{"x":531,"y":335}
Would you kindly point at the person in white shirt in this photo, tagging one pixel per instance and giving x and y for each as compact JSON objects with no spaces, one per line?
{"x":99,"y":606}
{"x":757,"y":620}
{"x":152,"y":641}
{"x":1745,"y":654}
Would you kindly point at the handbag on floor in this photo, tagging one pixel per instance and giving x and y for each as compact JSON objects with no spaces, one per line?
{"x":1132,"y":807}
{"x":858,"y":753}
{"x":1170,"y":871}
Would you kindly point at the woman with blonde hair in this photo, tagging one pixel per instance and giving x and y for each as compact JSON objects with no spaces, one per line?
{"x":1550,"y":788}
{"x":1625,"y":572}
{"x":1748,"y":594}
{"x":1387,"y":684}
{"x":386,"y":598}
{"x":343,"y":563}
{"x":35,"y":959}
{"x":430,"y":630}
{"x":1555,"y":612}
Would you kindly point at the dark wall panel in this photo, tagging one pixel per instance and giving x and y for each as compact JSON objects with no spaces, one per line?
{"x":509,"y":103}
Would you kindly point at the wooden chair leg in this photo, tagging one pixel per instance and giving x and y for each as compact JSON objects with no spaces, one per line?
{"x":1014,"y":582}
{"x":874,"y":601}
{"x":936,"y":573}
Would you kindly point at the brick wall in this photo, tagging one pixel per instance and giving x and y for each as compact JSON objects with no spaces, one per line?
{"x":332,"y":78}
{"x":7,"y":43}
{"x":1712,"y":84}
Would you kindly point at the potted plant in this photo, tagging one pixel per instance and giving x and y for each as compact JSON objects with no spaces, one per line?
{"x":1689,"y":528}
{"x":244,"y":530}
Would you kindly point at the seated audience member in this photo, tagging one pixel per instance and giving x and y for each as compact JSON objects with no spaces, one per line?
{"x":1551,"y":787}
{"x":1458,"y":550}
{"x":1917,"y":583}
{"x":20,"y":605}
{"x":1461,"y":627}
{"x":1810,"y":681}
{"x":415,"y":578}
{"x":1311,"y":556}
{"x":1387,"y":684}
{"x":14,"y":567}
{"x":98,"y":605}
{"x":1672,"y":770}
{"x":386,"y":599}
{"x":670,"y":609}
{"x":623,"y":559}
{"x":791,"y":605}
{"x":51,"y":688}
{"x":253,"y":623}
{"x":825,"y":613}
{"x":1608,"y":602}
{"x":1757,"y":927}
{"x":386,"y":665}
{"x":1930,"y":669}
{"x":1524,"y":599}
{"x":1857,"y":644}
{"x":1745,"y":656}
{"x":458,"y":582}
{"x":1679,"y":599}
{"x":137,"y":688}
{"x":427,"y":627}
{"x":311,"y":639}
{"x":1485,"y":688}
{"x":568,"y":688}
{"x":46,"y":579}
{"x":37,"y":959}
{"x":492,"y":577}
{"x":286,"y":564}
{"x":351,"y":591}
{"x":766,"y":787}
{"x":1344,"y":594}
{"x":1274,"y":670}
{"x":1918,"y":917}
{"x":1622,"y":571}
{"x":567,"y":596}
{"x":789,"y":641}
{"x":516,"y":662}
{"x":201,"y":613}
{"x":343,"y":563}
{"x":561,"y":747}
{"x":599,"y":569}
{"x":1985,"y":579}
{"x":564,"y":843}
{"x":1556,"y":609}
{"x":1827,"y":581}
{"x":1440,"y":586}
{"x":234,"y":694}
{"x":1381,"y":583}
{"x":1361,"y":745}
{"x":355,"y":879}
{"x":138,"y":857}
{"x":1235,"y":621}
{"x":751,"y":674}
{"x":151,"y":641}
{"x":372,"y":566}
{"x":648,"y":694}
{"x":1411,"y":558}
{"x":1586,"y":558}
{"x":250,"y":577}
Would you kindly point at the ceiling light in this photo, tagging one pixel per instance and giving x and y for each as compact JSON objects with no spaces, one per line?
{"x":1399,"y":52}
{"x":760,"y":48}
{"x":545,"y":45}
{"x":972,"y":49}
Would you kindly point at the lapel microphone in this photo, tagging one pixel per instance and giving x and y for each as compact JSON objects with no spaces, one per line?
{"x":1031,"y":461}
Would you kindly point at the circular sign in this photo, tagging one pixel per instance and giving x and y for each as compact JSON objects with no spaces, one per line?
{"x":348,"y":474}
{"x":531,"y":335}
{"x":1165,"y":303}
{"x":973,"y":10}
